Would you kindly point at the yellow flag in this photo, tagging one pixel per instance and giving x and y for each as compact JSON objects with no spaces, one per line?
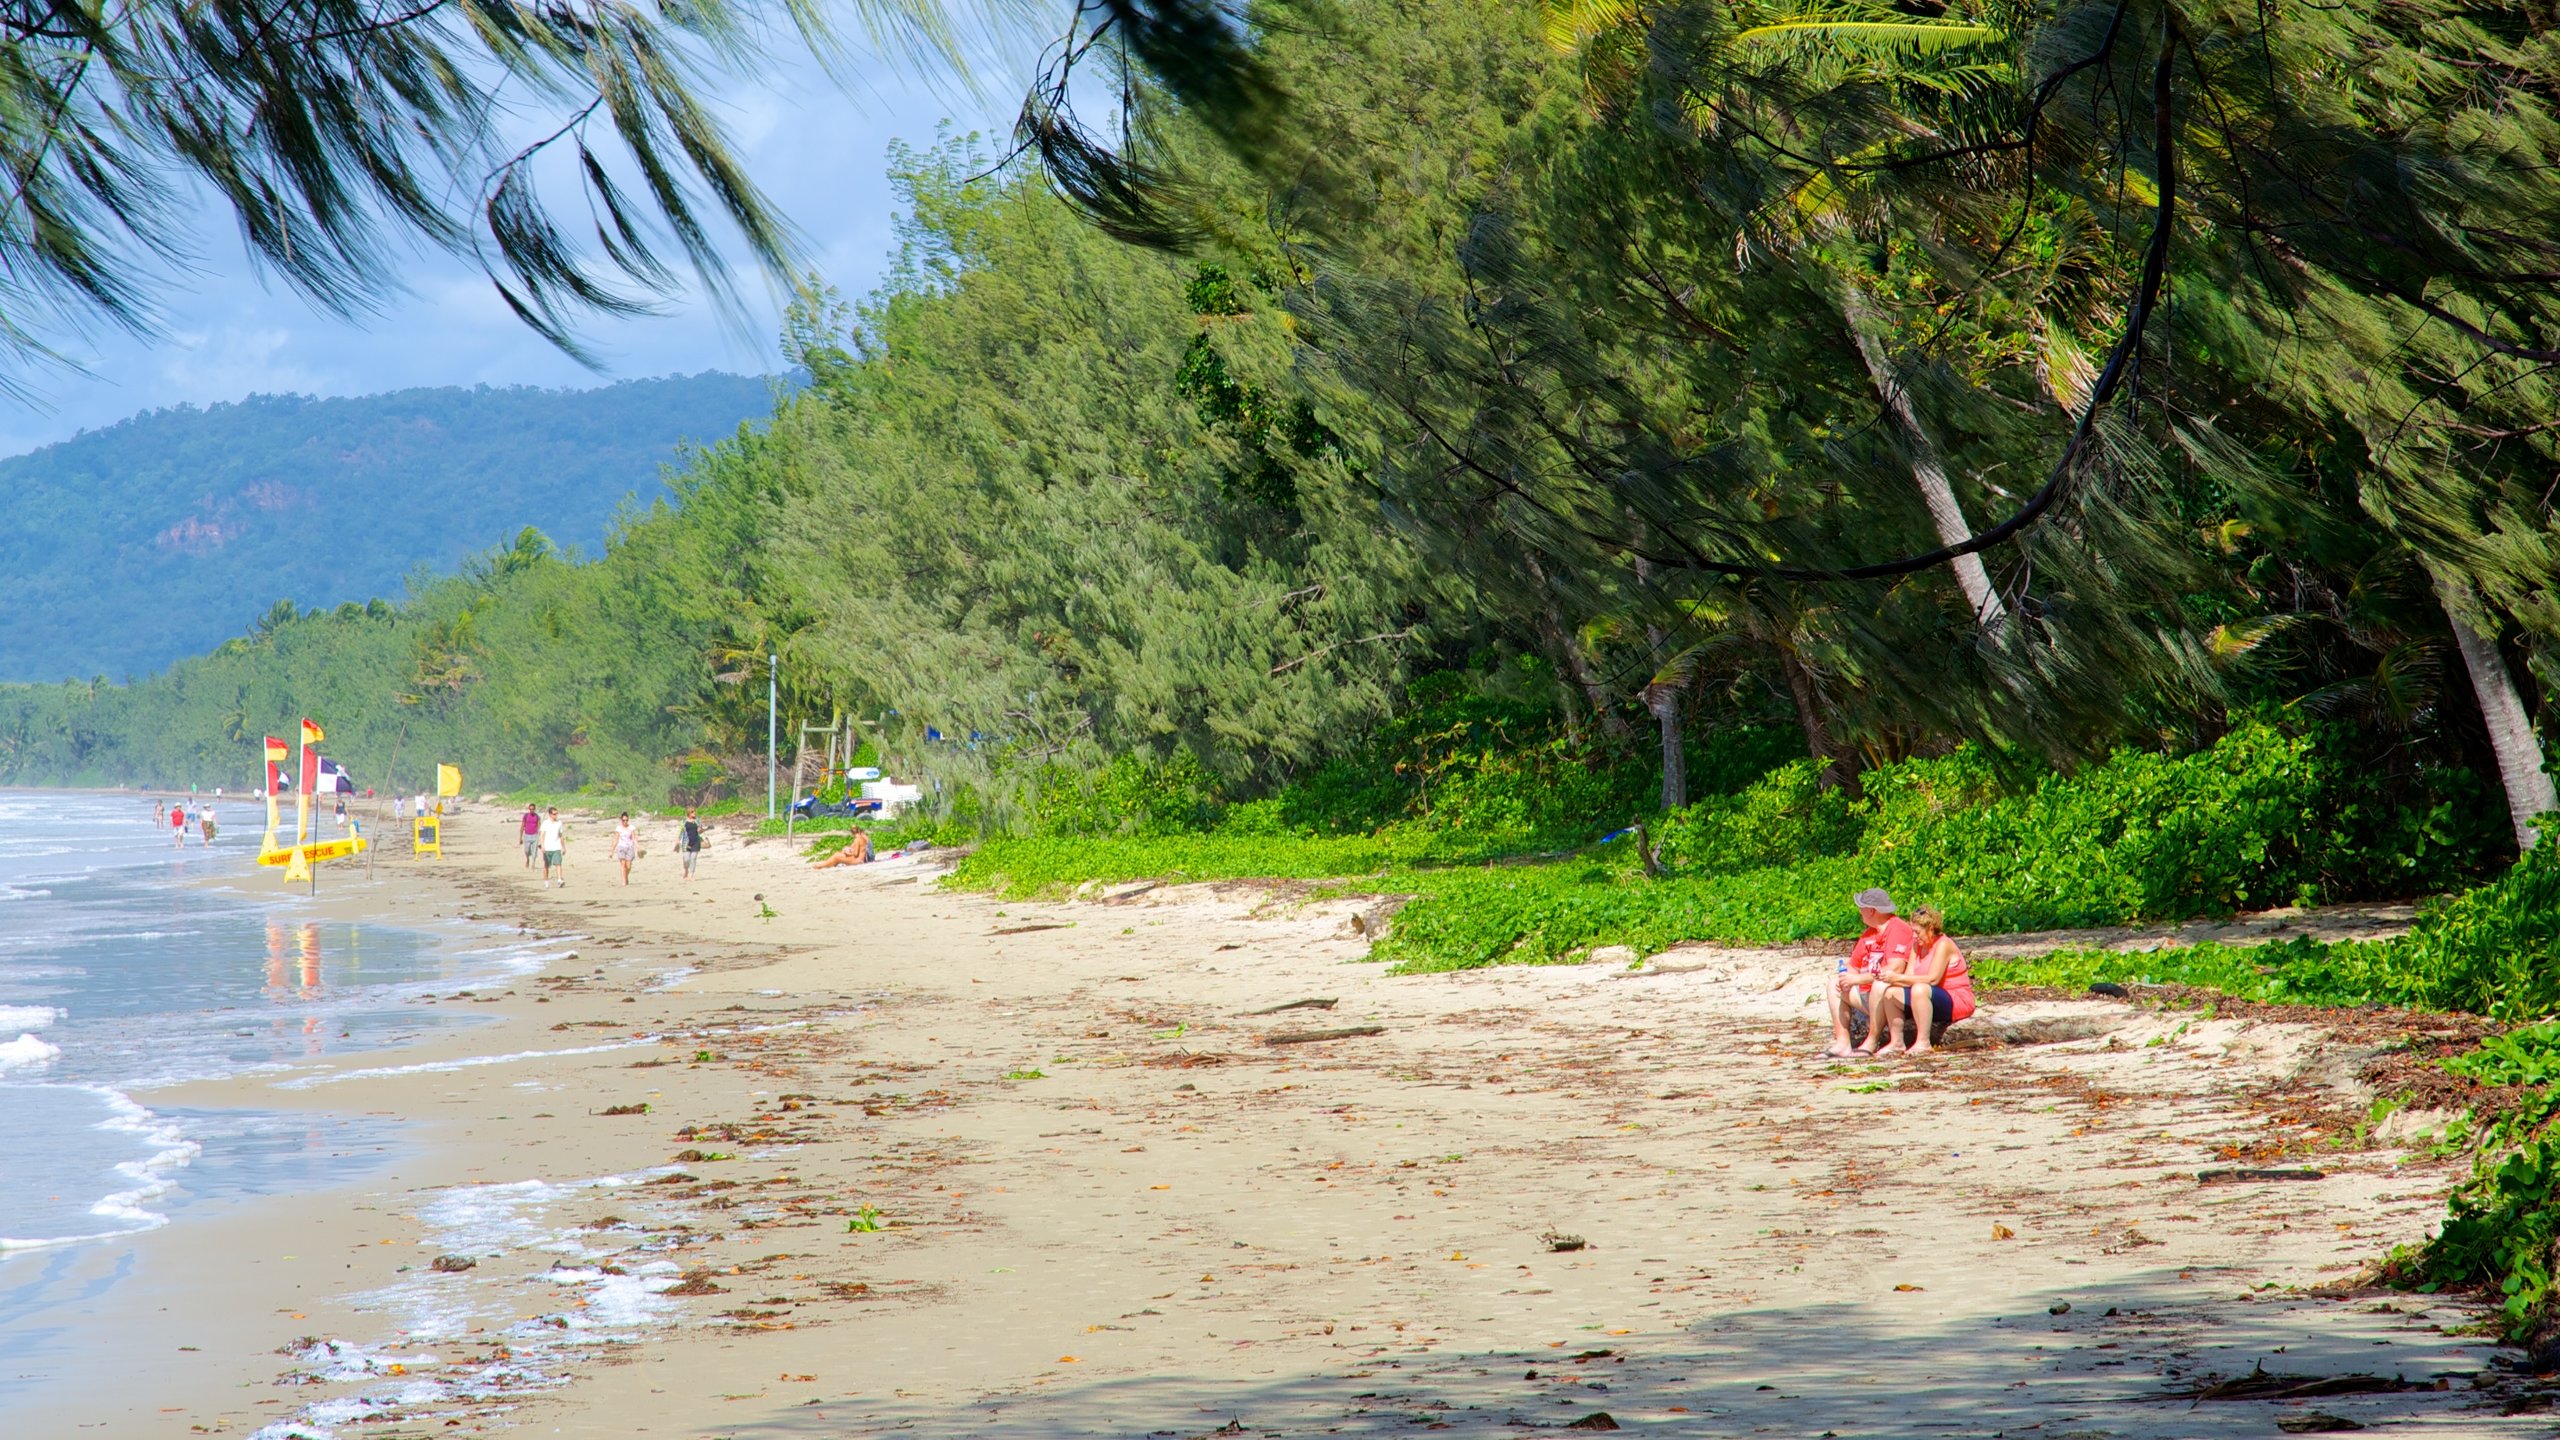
{"x":448,"y":780}
{"x":296,"y":868}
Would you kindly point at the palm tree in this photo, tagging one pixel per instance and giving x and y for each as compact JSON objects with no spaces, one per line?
{"x":342,"y":134}
{"x":1920,"y":65}
{"x":2521,"y":768}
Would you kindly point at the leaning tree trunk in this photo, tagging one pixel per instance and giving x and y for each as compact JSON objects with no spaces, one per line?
{"x":1926,"y":471}
{"x":2529,"y":787}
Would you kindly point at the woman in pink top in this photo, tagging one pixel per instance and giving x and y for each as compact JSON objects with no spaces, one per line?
{"x":1937,"y":984}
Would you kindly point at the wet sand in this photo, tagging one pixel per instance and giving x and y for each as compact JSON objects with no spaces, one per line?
{"x":931,"y":1163}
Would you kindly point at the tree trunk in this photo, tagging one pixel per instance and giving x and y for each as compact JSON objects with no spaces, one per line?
{"x":1926,"y":471}
{"x":1662,"y":697}
{"x":1839,"y":771}
{"x":1664,"y":702}
{"x":2529,"y":787}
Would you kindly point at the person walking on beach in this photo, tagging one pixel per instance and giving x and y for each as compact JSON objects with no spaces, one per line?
{"x":178,"y":826}
{"x":689,"y":843}
{"x":532,"y":833}
{"x":626,"y":845}
{"x":159,"y":814}
{"x":204,"y":818}
{"x":399,"y":809}
{"x":555,"y":848}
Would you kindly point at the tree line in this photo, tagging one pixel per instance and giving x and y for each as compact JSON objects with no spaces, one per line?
{"x":2058,"y":380}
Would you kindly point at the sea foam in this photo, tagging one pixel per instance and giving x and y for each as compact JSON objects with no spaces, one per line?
{"x":26,"y":1051}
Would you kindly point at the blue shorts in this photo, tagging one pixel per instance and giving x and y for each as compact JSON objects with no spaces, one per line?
{"x":1942,"y":1006}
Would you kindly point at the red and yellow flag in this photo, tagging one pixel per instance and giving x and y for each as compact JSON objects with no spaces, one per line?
{"x":311,"y":734}
{"x":277,"y":750}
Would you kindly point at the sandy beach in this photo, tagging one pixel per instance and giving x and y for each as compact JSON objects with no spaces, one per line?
{"x":917,"y":1162}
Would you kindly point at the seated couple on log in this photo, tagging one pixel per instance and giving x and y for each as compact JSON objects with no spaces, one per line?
{"x":1900,"y":974}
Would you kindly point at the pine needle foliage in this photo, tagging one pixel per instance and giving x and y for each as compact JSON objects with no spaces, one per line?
{"x":343,"y":134}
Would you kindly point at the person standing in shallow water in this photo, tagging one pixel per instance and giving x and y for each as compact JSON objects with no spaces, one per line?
{"x":626,"y":845}
{"x":689,"y":843}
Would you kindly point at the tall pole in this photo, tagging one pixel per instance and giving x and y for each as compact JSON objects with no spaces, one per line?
{"x":301,"y":785}
{"x":772,"y":725}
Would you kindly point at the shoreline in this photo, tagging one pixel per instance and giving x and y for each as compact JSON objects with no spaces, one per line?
{"x":1106,"y":1203}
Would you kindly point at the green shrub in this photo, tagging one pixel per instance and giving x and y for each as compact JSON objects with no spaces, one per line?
{"x":1780,"y":818}
{"x":2501,"y":1225}
{"x":2137,"y":837}
{"x":2493,"y":950}
{"x":1132,"y":795}
{"x":1020,"y":866}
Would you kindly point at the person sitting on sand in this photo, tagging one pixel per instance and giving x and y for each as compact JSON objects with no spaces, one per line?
{"x":857,"y":851}
{"x":1934,"y":985}
{"x":1886,"y":944}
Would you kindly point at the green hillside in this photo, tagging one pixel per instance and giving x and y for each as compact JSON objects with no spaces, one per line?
{"x":159,"y":537}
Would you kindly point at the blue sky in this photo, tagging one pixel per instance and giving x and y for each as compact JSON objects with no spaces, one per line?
{"x":819,"y":149}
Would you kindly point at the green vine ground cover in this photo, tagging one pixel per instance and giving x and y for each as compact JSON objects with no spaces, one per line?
{"x":2261,"y":818}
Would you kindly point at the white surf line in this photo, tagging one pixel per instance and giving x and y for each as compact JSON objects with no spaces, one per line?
{"x":431,"y":1067}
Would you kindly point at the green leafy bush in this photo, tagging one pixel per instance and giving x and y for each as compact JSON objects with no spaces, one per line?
{"x":1133,"y":795}
{"x":1781,"y":818}
{"x":2502,"y":1224}
{"x":2138,"y":837}
{"x":1019,"y":866}
{"x":2493,"y":950}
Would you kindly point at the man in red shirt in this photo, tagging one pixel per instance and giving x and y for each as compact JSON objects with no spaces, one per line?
{"x":1887,"y":944}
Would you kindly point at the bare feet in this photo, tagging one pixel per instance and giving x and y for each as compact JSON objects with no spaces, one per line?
{"x":1840,"y":1052}
{"x":1917,"y":1051}
{"x":1892,"y":1050}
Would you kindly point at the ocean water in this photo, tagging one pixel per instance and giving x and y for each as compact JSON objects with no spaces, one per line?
{"x":122,"y":974}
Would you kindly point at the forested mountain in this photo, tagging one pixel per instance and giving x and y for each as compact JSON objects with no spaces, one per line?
{"x":128,"y":547}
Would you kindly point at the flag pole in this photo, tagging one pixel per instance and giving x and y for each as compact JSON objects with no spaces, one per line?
{"x":302,"y":784}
